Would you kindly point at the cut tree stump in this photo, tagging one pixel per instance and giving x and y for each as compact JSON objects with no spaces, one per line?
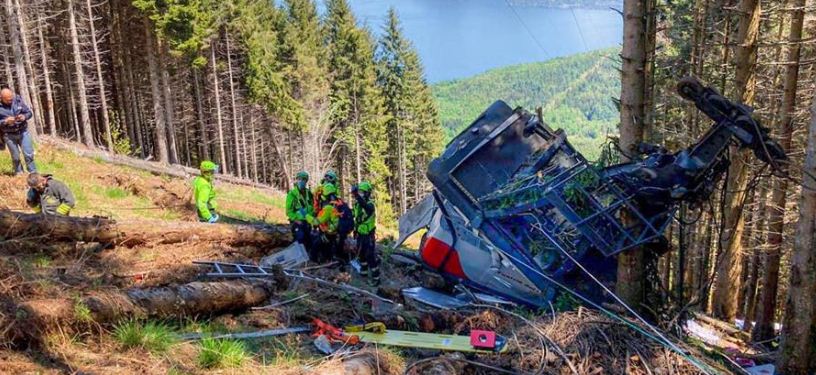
{"x":18,"y":225}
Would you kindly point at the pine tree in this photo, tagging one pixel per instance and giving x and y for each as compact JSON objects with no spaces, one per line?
{"x":304,"y":67}
{"x":356,"y":103}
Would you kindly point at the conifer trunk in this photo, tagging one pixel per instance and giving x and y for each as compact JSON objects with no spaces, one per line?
{"x":725,"y":299}
{"x":18,"y":54}
{"x":222,"y":152}
{"x":770,"y":281}
{"x":798,"y":328}
{"x":631,"y":268}
{"x":156,"y":91}
{"x":103,"y":97}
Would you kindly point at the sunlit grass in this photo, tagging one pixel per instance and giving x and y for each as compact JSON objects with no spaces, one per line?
{"x":216,"y":353}
{"x":151,"y":336}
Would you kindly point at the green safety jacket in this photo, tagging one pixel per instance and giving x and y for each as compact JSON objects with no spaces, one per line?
{"x":365,"y":216}
{"x":204,"y":195}
{"x":299,"y":206}
{"x":56,"y":199}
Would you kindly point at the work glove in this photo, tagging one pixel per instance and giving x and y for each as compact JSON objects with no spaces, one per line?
{"x":64,"y":209}
{"x":213,"y":219}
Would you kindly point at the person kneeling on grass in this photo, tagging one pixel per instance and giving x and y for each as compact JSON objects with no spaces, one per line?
{"x":204,"y":193}
{"x":49,"y":196}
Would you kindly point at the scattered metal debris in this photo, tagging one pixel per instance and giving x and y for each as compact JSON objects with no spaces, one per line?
{"x":291,"y":257}
{"x":433,"y":298}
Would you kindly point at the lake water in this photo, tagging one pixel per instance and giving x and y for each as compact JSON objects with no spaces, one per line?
{"x":461,"y":38}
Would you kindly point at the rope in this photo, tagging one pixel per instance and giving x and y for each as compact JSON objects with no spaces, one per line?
{"x":657,"y":337}
{"x":523,"y":24}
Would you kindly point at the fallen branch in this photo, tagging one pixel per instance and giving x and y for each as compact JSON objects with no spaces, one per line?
{"x":131,"y":233}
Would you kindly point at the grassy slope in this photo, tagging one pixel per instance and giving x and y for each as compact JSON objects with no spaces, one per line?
{"x":574,"y":91}
{"x":126,"y":193}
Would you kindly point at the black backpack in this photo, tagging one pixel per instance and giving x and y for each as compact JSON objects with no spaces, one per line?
{"x":346,"y":224}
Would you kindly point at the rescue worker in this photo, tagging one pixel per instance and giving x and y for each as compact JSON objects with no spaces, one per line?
{"x":365,"y":224}
{"x":300,"y":211}
{"x":327,"y":221}
{"x":14,"y":116}
{"x":49,"y":196}
{"x":204,"y":193}
{"x":331,"y":178}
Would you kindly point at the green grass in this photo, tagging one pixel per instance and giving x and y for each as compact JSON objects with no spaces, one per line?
{"x":240,"y":215}
{"x":116,"y":193}
{"x":81,"y":312}
{"x":221,"y":353}
{"x":42,"y":261}
{"x":151,"y":336}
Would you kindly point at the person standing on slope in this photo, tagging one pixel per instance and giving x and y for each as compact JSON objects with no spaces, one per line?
{"x":328,"y":221}
{"x":365,"y":223}
{"x":14,"y":116}
{"x":204,"y":193}
{"x":329,"y":178}
{"x":300,"y":211}
{"x":49,"y":196}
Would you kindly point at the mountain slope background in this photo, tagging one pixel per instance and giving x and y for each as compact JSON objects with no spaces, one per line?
{"x":575,"y":93}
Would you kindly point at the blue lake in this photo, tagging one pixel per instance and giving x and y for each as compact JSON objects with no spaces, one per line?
{"x":461,"y":38}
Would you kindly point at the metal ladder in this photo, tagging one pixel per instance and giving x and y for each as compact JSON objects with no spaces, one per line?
{"x":223,"y":269}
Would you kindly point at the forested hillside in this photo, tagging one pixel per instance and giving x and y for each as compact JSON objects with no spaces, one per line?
{"x":262,"y":88}
{"x":576,"y":94}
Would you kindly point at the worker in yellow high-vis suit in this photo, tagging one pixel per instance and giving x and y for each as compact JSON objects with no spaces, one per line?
{"x":204,"y":193}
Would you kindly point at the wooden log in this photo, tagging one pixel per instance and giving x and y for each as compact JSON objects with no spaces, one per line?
{"x":38,"y":317}
{"x":18,"y":225}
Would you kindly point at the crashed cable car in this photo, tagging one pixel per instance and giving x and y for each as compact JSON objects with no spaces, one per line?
{"x":515,"y":208}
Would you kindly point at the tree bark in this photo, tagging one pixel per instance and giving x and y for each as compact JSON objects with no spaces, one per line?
{"x":32,"y":74}
{"x":222,"y":152}
{"x":103,"y":97}
{"x":82,"y":93}
{"x":169,"y":107}
{"x":15,"y":40}
{"x":49,"y":94}
{"x":18,"y":225}
{"x":796,"y":352}
{"x":631,"y":266}
{"x":203,"y":140}
{"x":728,"y":273}
{"x":193,"y":299}
{"x":770,"y":282}
{"x":155,"y":81}
{"x":235,"y":134}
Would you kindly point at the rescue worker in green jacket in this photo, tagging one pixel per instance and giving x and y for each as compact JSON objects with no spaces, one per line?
{"x":327,"y":221}
{"x":49,"y":196}
{"x":365,"y":224}
{"x":300,"y":211}
{"x":204,"y":193}
{"x":329,"y":178}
